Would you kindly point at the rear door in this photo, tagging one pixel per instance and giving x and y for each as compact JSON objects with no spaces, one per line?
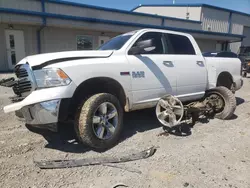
{"x":191,"y":72}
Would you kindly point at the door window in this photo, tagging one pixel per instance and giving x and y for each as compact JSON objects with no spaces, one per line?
{"x":12,"y":41}
{"x":12,"y":48}
{"x":179,"y":44}
{"x":13,"y":57}
{"x":157,"y":40}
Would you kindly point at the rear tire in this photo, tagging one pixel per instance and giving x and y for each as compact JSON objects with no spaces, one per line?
{"x":85,"y":127}
{"x":229,"y":102}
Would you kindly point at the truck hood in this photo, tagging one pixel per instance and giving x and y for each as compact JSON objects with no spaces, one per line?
{"x":43,"y":60}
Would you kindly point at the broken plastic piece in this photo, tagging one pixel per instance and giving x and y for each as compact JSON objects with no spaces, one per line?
{"x":54,"y":164}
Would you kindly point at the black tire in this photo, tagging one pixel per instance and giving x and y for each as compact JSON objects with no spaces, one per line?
{"x":84,"y":117}
{"x":229,"y":102}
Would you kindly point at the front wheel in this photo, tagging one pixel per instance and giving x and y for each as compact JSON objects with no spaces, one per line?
{"x":223,"y":100}
{"x":98,"y":122}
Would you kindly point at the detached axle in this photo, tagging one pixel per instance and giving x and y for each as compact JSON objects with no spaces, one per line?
{"x":219,"y":102}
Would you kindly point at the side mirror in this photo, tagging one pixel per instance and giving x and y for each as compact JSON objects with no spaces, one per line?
{"x":142,"y":47}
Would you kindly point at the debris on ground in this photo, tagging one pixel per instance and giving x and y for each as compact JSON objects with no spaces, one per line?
{"x":54,"y":164}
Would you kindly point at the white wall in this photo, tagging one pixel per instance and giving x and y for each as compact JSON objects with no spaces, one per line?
{"x":16,"y":18}
{"x":33,"y":5}
{"x":216,"y":20}
{"x":88,"y":26}
{"x":241,"y":19}
{"x":234,"y":47}
{"x":101,"y":14}
{"x":206,"y":45}
{"x":176,"y":12}
{"x":57,"y":39}
{"x":182,"y":24}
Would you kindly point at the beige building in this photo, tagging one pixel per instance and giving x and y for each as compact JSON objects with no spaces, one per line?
{"x":39,"y":26}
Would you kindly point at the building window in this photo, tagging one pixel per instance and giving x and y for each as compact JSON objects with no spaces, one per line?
{"x":84,"y":42}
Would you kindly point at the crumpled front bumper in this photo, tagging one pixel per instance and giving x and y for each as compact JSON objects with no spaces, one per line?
{"x":41,"y":107}
{"x":43,"y":95}
{"x":43,"y":115}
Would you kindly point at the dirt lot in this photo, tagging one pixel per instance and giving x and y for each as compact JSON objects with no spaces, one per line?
{"x":215,"y":154}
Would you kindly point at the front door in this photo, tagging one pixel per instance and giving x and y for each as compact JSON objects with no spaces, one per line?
{"x":15,"y":47}
{"x":153,"y":73}
{"x":102,"y":40}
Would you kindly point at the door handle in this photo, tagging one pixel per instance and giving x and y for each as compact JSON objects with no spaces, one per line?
{"x":168,"y":63}
{"x":200,"y":63}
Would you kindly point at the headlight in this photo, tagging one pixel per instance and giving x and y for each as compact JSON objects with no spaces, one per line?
{"x":51,"y":77}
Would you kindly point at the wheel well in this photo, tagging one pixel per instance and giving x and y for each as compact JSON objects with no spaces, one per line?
{"x":93,"y":86}
{"x":225,"y":79}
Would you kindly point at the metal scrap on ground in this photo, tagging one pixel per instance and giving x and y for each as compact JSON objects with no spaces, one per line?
{"x":54,"y":164}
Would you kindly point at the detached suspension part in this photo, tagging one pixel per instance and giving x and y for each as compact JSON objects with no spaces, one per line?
{"x":171,"y":112}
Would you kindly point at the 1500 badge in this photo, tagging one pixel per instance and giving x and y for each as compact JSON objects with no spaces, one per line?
{"x":138,"y":74}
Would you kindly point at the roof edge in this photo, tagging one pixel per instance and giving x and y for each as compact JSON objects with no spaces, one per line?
{"x":113,"y":22}
{"x":192,"y":5}
{"x":118,"y":10}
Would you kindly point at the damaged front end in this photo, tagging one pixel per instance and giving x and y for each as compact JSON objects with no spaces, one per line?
{"x":39,"y":106}
{"x":22,"y":85}
{"x":9,"y":82}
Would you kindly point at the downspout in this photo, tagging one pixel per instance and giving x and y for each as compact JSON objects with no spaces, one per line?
{"x":41,"y":27}
{"x":230,"y":23}
{"x":162,"y":22}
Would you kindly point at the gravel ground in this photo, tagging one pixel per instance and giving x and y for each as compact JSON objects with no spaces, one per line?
{"x":215,"y":154}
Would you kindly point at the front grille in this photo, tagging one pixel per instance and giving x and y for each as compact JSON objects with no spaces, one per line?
{"x":24,"y":85}
{"x":21,"y":73}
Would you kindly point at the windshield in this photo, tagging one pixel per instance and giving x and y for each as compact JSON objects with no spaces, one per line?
{"x":117,"y":42}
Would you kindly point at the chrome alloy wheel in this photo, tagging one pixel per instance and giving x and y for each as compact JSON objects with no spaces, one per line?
{"x":169,"y":111}
{"x":105,"y":121}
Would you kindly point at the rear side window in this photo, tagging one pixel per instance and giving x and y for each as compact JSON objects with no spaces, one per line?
{"x":178,"y":44}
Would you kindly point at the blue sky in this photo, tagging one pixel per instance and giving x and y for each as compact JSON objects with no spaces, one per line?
{"x":239,"y":5}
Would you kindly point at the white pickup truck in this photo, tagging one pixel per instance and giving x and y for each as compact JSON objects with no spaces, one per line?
{"x":130,"y":72}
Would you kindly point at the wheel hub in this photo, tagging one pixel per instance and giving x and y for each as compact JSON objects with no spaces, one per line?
{"x":216,"y":101}
{"x":105,"y":121}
